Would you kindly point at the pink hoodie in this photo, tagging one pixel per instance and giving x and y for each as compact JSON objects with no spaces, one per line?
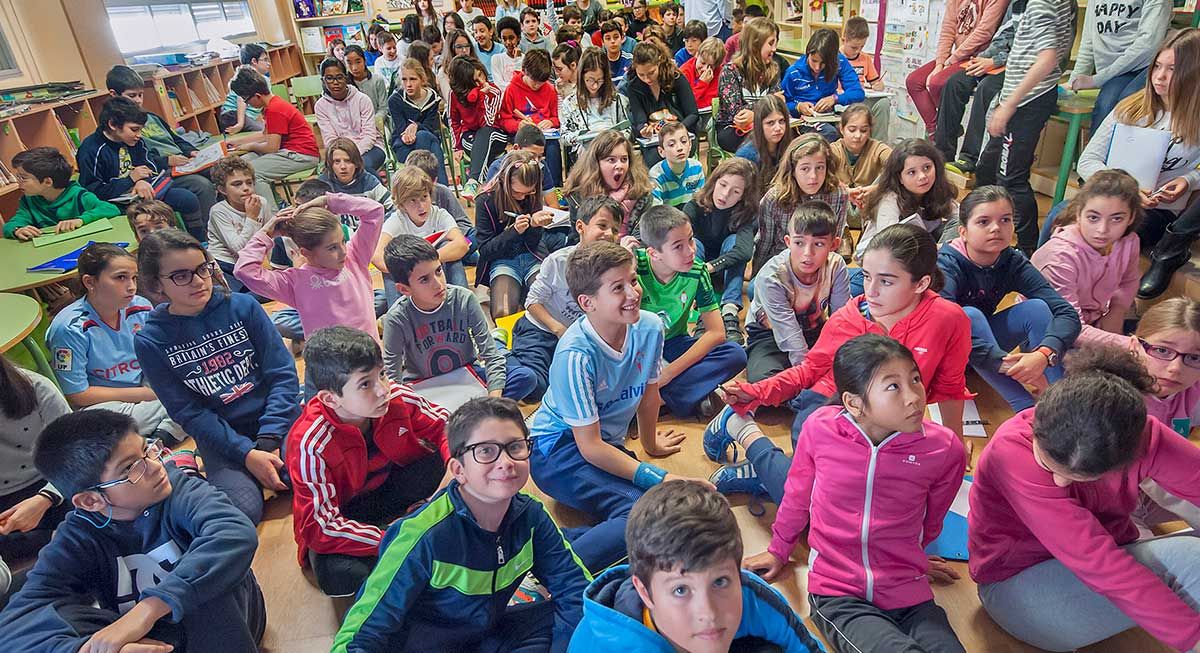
{"x":323,"y":297}
{"x":1095,"y":284}
{"x":1019,"y":518}
{"x":871,"y":510}
{"x":353,"y":118}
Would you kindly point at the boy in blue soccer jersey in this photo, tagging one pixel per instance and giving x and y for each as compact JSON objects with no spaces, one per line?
{"x":605,"y":371}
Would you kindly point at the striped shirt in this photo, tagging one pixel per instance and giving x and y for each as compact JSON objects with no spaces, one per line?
{"x":1046,"y":24}
{"x":676,"y":189}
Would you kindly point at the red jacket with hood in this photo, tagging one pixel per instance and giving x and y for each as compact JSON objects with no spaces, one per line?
{"x":538,"y":105}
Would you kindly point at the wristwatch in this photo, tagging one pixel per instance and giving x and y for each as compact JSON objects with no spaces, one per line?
{"x":1050,"y":354}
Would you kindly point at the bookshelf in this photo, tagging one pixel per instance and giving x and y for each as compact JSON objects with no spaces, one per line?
{"x":49,"y":124}
{"x":192,"y":97}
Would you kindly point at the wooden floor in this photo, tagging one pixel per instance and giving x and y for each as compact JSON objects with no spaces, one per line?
{"x":302,"y":620}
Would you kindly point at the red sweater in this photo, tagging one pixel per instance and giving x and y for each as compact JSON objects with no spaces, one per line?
{"x":937,"y":332}
{"x":1019,"y":517}
{"x":329,"y":465}
{"x":295,"y":134}
{"x":538,"y":105}
{"x":704,"y":91}
{"x":480,"y":110}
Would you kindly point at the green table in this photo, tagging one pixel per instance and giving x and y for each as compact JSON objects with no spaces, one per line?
{"x":16,"y":256}
{"x":19,"y":316}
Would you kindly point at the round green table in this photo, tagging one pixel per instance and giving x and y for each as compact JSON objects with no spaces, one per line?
{"x":19,"y":316}
{"x":17,"y":256}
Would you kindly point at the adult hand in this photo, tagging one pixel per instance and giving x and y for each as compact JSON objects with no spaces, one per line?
{"x":998,"y":123}
{"x":265,"y":466}
{"x":1025,"y":368}
{"x":825,"y":104}
{"x":144,"y":190}
{"x":1172,"y":190}
{"x":68,"y":225}
{"x":1082,"y":82}
{"x":940,"y":571}
{"x":979,"y":66}
{"x":521,"y":223}
{"x":665,"y":443}
{"x":24,"y":516}
{"x":804,"y":108}
{"x":254,"y":206}
{"x":765,"y":564}
{"x":27,"y":233}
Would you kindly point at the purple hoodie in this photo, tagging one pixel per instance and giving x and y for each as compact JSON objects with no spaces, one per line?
{"x":1096,"y":284}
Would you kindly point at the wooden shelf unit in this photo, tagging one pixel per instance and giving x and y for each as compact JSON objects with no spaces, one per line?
{"x":45,"y":125}
{"x":201,"y":91}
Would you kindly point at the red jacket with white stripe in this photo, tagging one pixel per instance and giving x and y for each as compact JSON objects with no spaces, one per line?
{"x":329,"y":465}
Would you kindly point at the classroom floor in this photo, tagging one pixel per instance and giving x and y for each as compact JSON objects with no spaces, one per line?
{"x":302,"y":620}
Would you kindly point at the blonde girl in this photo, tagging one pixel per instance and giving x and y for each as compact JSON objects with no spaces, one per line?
{"x":806,"y":172}
{"x":611,"y":166}
{"x":750,"y":75}
{"x":414,"y":108}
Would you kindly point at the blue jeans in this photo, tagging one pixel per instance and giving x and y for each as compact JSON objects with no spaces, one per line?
{"x":373,"y":159}
{"x":856,"y":281}
{"x":1047,"y":226}
{"x":519,"y":380}
{"x":682,"y":396}
{"x":735,"y":278}
{"x":805,"y":404}
{"x":534,"y":347}
{"x":1048,"y":606}
{"x":424,"y":141}
{"x":562,"y":472}
{"x":993,"y":336}
{"x":521,"y":267}
{"x":1116,"y":89}
{"x":185,"y":202}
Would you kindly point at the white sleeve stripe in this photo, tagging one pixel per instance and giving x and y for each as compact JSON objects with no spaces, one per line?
{"x":579,"y":390}
{"x":325,"y":510}
{"x":431,"y":410}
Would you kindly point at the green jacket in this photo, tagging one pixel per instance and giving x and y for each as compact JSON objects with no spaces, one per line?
{"x":75,"y":202}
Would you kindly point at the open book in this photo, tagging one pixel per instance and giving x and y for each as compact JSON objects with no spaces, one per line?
{"x":205,"y":158}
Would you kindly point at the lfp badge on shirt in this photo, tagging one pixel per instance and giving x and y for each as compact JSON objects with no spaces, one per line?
{"x":62,"y":359}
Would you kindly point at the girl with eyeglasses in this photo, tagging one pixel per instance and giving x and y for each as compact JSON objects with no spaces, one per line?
{"x":1053,"y":545}
{"x":344,"y":112}
{"x":92,"y":342}
{"x":219,"y":367}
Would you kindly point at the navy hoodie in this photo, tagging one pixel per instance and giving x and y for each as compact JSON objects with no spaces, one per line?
{"x":404,"y":111}
{"x":104,"y":164}
{"x":224,"y":375}
{"x":971,"y":285}
{"x":612,"y":618}
{"x":186,"y":550}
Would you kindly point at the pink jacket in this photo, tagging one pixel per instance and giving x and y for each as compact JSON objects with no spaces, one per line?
{"x":352,"y":118}
{"x":871,"y":510}
{"x":967,"y":28}
{"x":1095,"y":284}
{"x":1019,"y":518}
{"x":323,"y":297}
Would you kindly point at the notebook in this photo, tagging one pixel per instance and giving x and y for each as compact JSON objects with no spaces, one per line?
{"x":66,"y":262}
{"x":951,"y":544}
{"x":1140,"y":152}
{"x":452,"y":389}
{"x":86,"y":230}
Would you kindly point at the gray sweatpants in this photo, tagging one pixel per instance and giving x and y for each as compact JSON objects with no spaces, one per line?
{"x":276,"y":166}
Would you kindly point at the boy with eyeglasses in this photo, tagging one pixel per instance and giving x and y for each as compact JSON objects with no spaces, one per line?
{"x":151,"y":560}
{"x":446,"y":572}
{"x":364,"y":450}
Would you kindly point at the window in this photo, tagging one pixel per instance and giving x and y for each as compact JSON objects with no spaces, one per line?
{"x":147,"y":25}
{"x":8,"y":63}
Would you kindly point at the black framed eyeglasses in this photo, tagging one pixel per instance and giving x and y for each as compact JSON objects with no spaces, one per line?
{"x":334,"y":79}
{"x":486,"y":453}
{"x":1167,"y":354}
{"x":184,"y":277}
{"x":464,"y":47}
{"x":137,"y":469}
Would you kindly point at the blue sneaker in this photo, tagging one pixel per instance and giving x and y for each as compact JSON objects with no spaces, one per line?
{"x":717,"y":440}
{"x":738,"y":478}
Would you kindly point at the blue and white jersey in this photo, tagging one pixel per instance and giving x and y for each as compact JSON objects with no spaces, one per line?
{"x":85,"y":351}
{"x":592,"y":382}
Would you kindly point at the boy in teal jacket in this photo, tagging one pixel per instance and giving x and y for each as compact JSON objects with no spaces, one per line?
{"x":52,"y":202}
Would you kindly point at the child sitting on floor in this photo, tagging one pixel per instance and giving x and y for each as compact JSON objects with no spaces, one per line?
{"x":488,"y":535}
{"x":152,"y":559}
{"x":361,"y":453}
{"x":673,"y":281}
{"x":436,"y":329}
{"x":683,"y":535}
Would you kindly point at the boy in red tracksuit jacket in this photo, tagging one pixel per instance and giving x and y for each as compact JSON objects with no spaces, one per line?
{"x":362,"y":452}
{"x":530,"y":99}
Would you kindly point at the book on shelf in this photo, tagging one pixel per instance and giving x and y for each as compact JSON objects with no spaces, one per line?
{"x":176,"y":106}
{"x":312,"y":40}
{"x":304,"y":8}
{"x":334,"y":7}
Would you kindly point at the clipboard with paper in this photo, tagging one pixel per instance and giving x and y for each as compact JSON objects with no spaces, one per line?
{"x":205,"y":158}
{"x":1140,"y":152}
